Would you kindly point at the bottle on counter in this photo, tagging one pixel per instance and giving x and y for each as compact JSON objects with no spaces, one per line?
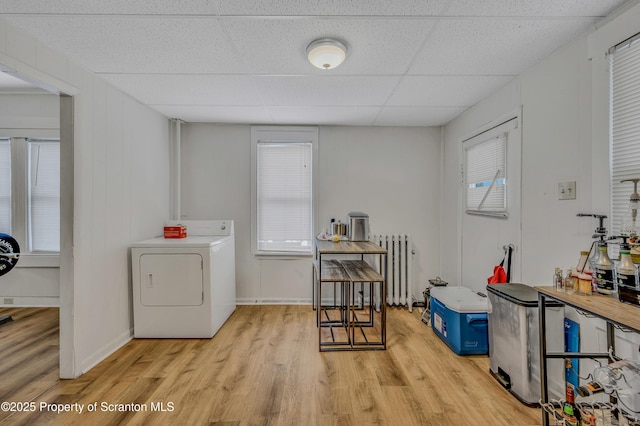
{"x":602,"y":269}
{"x":583,"y":262}
{"x":626,"y":270}
{"x":558,"y":283}
{"x":569,"y":282}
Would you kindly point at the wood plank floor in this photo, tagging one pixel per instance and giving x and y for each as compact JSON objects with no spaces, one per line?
{"x":262,"y":368}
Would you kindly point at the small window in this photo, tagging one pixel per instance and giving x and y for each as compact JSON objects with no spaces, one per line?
{"x":486,"y":175}
{"x":624,"y":69}
{"x":44,"y":195}
{"x":283,"y":187}
{"x":5,"y":186}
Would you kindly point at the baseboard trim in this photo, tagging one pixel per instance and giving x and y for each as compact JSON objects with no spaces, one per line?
{"x":272,"y":301}
{"x":107,"y":350}
{"x":29,"y":302}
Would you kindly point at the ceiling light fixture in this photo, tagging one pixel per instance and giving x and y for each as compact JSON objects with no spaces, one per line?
{"x":326,"y":53}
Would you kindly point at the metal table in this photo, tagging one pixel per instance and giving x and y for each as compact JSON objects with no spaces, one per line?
{"x":356,"y":318}
{"x":607,"y":308}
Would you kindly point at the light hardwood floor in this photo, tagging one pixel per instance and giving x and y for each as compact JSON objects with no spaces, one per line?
{"x":262,"y":368}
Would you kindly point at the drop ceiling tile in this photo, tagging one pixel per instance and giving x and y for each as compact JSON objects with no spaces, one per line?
{"x":123,"y":7}
{"x":138,"y":44}
{"x":331,"y":7}
{"x":597,"y":8}
{"x":375,"y":46}
{"x":417,"y":116}
{"x":437,"y":90}
{"x":318,"y":115}
{"x":315,"y":8}
{"x":193,"y":89}
{"x":325,"y":91}
{"x":216,"y":114}
{"x":493,"y":46}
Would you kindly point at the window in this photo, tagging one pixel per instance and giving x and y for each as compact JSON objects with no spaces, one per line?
{"x":5,"y":186}
{"x":44,"y":195}
{"x":485,"y":176}
{"x":282,"y":189}
{"x":624,"y":69}
{"x":30,"y":193}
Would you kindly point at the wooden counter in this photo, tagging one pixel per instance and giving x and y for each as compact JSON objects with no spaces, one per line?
{"x":348,"y":247}
{"x":607,"y":307}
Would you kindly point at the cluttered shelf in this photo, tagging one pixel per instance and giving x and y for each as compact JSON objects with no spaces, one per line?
{"x":605,"y":306}
{"x":597,"y":413}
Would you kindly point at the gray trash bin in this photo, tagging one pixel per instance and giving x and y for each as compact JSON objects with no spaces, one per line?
{"x":514,"y":345}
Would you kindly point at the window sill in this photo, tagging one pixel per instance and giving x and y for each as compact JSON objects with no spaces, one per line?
{"x":282,"y":255}
{"x":32,"y":260}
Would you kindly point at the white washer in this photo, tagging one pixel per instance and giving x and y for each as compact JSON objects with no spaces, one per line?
{"x":184,"y":287}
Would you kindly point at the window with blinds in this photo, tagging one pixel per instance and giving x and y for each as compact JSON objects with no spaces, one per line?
{"x":485,"y":176}
{"x":44,"y":195}
{"x":624,"y":67}
{"x":282,"y":191}
{"x":5,"y":186}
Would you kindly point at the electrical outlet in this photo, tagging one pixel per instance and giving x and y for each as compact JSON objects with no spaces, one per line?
{"x":567,"y":190}
{"x":8,"y":300}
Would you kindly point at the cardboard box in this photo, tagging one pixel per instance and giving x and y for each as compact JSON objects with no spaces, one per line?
{"x":175,"y":231}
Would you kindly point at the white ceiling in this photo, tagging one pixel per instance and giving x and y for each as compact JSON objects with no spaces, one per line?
{"x":409,"y":62}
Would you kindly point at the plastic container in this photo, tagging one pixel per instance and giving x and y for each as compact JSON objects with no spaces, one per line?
{"x":459,"y":318}
{"x":585,"y":284}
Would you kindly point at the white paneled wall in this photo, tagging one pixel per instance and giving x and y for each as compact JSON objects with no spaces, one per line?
{"x":120,"y":193}
{"x":393,"y":174}
{"x":564,"y":104}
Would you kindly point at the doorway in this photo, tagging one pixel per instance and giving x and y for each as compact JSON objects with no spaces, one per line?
{"x":14,"y":84}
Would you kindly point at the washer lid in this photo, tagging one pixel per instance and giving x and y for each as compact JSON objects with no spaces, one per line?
{"x":194,"y":241}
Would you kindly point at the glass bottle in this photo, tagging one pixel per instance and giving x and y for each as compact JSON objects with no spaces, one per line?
{"x":557,"y":280}
{"x":583,"y":262}
{"x":569,"y":284}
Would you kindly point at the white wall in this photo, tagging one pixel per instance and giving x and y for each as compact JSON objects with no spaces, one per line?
{"x":559,"y":121}
{"x":554,"y":149}
{"x":564,"y":138}
{"x":120,"y":194}
{"x":392,"y":174}
{"x":29,"y":115}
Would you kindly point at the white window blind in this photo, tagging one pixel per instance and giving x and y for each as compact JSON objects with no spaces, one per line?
{"x":485,"y":176}
{"x":624,"y":63}
{"x":5,"y":186}
{"x":44,"y":195}
{"x":284,"y":196}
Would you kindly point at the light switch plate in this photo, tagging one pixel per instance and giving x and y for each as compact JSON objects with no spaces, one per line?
{"x":567,"y":190}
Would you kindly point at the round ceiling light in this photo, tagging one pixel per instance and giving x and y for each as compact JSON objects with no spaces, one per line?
{"x":326,"y":53}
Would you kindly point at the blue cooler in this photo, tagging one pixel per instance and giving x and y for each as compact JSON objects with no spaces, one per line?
{"x":459,"y":317}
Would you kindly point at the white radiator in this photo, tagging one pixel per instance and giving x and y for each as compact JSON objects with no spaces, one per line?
{"x":399,"y":261}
